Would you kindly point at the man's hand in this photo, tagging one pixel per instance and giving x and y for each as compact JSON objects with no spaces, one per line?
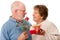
{"x":23,"y":36}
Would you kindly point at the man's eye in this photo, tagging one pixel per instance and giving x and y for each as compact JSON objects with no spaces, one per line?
{"x":24,"y":11}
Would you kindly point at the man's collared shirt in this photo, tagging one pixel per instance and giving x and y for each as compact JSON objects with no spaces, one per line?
{"x":10,"y":30}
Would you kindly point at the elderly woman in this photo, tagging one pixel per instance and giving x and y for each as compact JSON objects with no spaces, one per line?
{"x":43,"y":29}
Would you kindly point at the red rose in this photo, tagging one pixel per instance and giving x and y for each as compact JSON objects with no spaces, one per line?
{"x":26,"y":18}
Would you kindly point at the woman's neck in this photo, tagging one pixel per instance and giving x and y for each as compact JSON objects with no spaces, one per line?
{"x":39,"y":21}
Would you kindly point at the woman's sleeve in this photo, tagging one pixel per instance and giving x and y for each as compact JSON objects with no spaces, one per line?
{"x":52,"y":29}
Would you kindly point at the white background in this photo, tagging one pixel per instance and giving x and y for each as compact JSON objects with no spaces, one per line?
{"x":53,"y":6}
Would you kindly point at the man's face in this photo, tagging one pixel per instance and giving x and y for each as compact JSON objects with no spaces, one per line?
{"x":20,"y":12}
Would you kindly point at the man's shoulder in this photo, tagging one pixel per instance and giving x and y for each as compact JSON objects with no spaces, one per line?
{"x":8,"y":25}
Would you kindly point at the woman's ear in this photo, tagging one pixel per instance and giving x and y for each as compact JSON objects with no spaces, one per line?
{"x":42,"y":17}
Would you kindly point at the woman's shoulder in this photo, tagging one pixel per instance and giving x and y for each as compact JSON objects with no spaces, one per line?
{"x":47,"y":22}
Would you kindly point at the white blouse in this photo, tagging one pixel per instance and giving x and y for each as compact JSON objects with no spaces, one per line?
{"x":49,"y":28}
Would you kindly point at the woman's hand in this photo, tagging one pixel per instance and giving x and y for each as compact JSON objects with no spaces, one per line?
{"x":36,"y":29}
{"x":39,"y":31}
{"x":42,"y":32}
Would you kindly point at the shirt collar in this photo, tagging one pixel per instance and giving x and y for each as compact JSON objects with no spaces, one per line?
{"x":12,"y":19}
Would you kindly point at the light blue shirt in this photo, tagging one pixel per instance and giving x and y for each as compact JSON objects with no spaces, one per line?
{"x":10,"y":30}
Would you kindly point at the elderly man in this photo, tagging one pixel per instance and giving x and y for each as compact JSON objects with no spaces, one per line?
{"x":11,"y":30}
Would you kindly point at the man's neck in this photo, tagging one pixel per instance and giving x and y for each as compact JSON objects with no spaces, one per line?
{"x":16,"y":19}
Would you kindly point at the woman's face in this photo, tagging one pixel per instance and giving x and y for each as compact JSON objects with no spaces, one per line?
{"x":36,"y":15}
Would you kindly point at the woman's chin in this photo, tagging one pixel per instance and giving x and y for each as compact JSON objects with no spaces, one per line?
{"x":35,"y":20}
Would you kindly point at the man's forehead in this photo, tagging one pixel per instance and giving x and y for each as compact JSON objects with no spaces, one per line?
{"x":18,"y":4}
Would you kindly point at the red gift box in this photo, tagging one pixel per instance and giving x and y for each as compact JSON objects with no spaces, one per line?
{"x":32,"y":31}
{"x":35,"y":30}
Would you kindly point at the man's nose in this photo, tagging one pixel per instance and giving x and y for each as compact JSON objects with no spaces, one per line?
{"x":25,"y":13}
{"x":33,"y":14}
